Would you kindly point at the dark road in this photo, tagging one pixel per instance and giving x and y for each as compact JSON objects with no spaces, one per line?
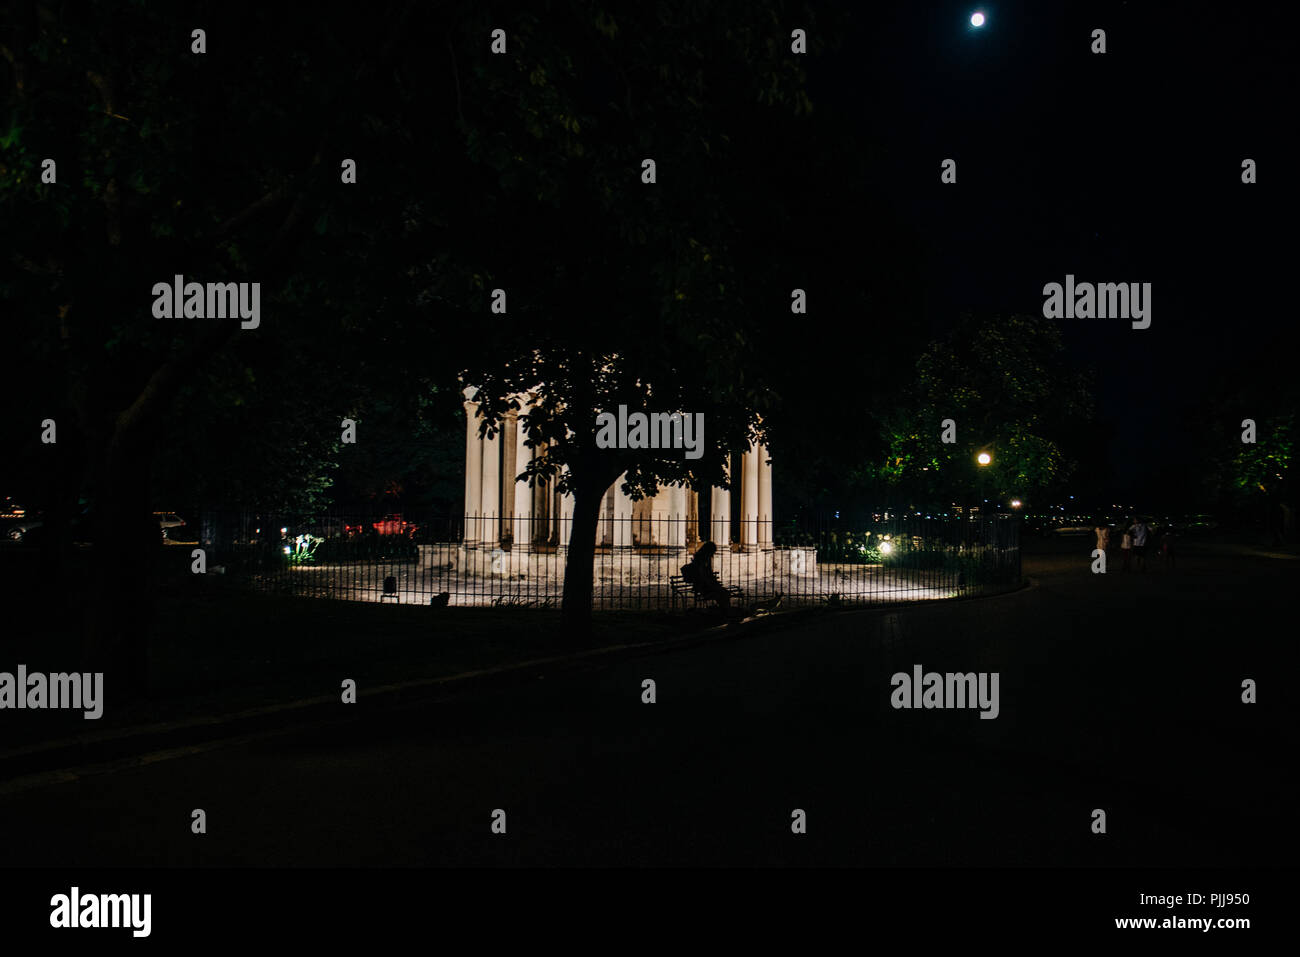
{"x":1119,"y":692}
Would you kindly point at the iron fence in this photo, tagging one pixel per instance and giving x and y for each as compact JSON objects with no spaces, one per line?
{"x":637,"y":562}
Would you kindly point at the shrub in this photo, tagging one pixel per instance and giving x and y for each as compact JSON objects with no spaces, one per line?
{"x":303,"y":550}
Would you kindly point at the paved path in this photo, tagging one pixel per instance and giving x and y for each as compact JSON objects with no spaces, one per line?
{"x":1119,"y":692}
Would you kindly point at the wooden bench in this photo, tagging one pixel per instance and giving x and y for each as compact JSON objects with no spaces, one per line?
{"x":684,"y":590}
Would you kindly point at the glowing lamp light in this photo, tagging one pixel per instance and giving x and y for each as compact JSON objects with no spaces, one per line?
{"x":286,"y":550}
{"x":1015,"y":503}
{"x":984,"y":458}
{"x":977,"y":19}
{"x":886,"y":548}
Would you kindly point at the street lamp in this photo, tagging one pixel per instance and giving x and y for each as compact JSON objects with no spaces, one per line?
{"x":1015,"y":503}
{"x":984,"y":459}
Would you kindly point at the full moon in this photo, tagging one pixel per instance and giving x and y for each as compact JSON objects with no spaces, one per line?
{"x":977,"y":20}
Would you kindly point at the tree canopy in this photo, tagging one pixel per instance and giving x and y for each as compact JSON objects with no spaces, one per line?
{"x":1003,"y":383}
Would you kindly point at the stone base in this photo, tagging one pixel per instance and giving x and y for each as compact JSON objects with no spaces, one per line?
{"x":447,"y":556}
{"x":620,"y":565}
{"x":795,"y":562}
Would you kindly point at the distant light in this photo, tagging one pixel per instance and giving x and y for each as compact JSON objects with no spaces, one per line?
{"x":1015,"y":503}
{"x":286,"y":550}
{"x":886,"y":548}
{"x":977,"y":20}
{"x":284,"y":531}
{"x":984,"y":458}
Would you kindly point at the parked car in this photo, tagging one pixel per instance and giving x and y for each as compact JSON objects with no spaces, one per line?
{"x":169,"y":519}
{"x":166,"y":521}
{"x":20,"y":529}
{"x":390,"y":524}
{"x":17,"y":521}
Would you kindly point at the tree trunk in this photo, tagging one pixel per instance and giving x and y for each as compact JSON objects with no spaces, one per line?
{"x":121,"y":610}
{"x":575,"y":606}
{"x":60,"y":512}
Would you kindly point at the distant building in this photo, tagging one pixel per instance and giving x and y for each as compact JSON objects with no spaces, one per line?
{"x":518,"y":516}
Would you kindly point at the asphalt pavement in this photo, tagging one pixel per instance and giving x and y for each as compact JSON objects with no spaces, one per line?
{"x":1119,"y":692}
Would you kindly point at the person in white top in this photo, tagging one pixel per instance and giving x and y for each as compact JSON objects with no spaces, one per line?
{"x":1140,"y":533}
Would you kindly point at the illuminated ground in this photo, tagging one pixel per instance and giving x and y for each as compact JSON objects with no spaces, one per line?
{"x":365,"y":582}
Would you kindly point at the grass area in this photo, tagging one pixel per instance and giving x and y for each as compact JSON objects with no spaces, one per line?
{"x":216,"y":650}
{"x":216,"y":638}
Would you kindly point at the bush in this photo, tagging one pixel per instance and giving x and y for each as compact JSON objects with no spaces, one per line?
{"x":972,"y":569}
{"x":846,"y":547}
{"x":304,"y":550}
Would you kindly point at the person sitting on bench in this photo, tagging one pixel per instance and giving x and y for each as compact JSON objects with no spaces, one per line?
{"x":699,"y":574}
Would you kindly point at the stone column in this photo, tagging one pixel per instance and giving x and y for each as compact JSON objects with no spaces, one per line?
{"x":523,"y":491}
{"x":622,"y":515}
{"x":720,"y":518}
{"x":491,"y":499}
{"x":720,"y":513}
{"x":659,"y":513}
{"x":473,"y":469}
{"x":749,"y":498}
{"x":508,"y":472}
{"x":764,"y":498}
{"x":677,"y":516}
{"x":566,"y":515}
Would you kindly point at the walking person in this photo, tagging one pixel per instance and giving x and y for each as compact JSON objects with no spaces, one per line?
{"x":1126,"y":546}
{"x":1140,"y":534}
{"x":1103,"y":537}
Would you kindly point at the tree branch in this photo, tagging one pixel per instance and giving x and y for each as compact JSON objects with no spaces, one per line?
{"x":455,"y":75}
{"x":250,"y":211}
{"x":167,"y":380}
{"x":283,"y":192}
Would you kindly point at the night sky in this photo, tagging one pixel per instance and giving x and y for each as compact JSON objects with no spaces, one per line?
{"x":1122,"y":167}
{"x":288,"y":680}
